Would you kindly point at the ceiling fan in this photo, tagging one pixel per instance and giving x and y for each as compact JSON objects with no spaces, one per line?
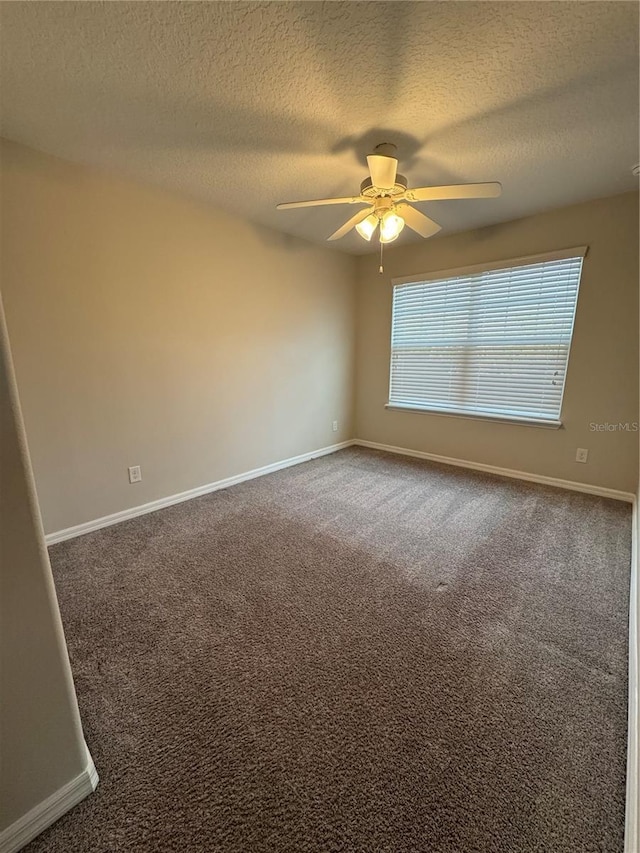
{"x":389,"y":199}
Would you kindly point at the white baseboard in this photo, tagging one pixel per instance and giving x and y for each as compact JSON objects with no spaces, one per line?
{"x":35,"y":821}
{"x":143,"y":509}
{"x":503,"y":472}
{"x":632,"y":817}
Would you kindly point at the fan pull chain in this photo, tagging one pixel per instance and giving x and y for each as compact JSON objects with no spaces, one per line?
{"x":381,"y":270}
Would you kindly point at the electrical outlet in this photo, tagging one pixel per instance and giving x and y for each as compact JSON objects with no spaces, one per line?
{"x":135,"y":474}
{"x":335,"y":426}
{"x":582,"y":454}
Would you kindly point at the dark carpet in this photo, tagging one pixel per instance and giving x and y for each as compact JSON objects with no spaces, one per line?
{"x":361,"y":653}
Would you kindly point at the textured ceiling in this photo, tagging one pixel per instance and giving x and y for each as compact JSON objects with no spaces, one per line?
{"x":248,"y":104}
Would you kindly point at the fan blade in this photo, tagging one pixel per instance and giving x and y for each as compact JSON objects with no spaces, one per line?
{"x":318,"y":201}
{"x":383,"y":171}
{"x":351,"y":223}
{"x":489,"y":190}
{"x":417,"y":221}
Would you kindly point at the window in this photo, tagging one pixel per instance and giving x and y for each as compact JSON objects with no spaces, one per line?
{"x":486,"y":341}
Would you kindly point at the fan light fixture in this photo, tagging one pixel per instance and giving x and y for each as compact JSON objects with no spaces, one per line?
{"x":389,"y":200}
{"x":367,"y":227}
{"x":390,"y":227}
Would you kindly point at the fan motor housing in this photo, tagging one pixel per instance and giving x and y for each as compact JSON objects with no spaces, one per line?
{"x":368,"y":190}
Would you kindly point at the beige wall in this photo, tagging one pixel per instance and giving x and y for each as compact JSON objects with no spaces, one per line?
{"x":41,"y":741}
{"x":150,"y":330}
{"x":602,"y":379}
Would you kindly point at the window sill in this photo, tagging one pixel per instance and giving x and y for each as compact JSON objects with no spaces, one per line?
{"x":452,"y":413}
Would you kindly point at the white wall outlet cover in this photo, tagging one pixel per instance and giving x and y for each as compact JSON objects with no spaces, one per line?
{"x":582,"y":454}
{"x":135,"y":474}
{"x":335,"y":426}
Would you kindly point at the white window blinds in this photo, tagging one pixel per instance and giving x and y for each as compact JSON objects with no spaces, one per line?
{"x":492,"y":342}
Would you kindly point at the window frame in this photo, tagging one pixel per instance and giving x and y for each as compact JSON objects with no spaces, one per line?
{"x":441,"y":275}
